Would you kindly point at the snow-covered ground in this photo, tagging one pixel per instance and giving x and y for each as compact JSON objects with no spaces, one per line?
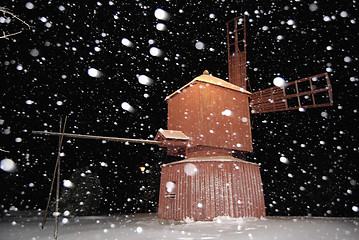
{"x":147,"y":226}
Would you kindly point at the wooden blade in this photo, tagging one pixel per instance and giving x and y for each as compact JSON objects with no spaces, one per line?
{"x":236,"y":44}
{"x":310,"y":92}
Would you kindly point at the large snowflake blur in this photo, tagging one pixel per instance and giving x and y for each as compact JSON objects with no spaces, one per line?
{"x":108,"y":65}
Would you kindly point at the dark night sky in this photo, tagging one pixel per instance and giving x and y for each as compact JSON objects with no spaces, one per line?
{"x":44,"y":76}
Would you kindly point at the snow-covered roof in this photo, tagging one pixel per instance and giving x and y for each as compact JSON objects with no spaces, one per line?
{"x":173,"y":134}
{"x":206,"y":78}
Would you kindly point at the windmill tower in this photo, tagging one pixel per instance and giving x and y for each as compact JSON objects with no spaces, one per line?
{"x":209,"y":122}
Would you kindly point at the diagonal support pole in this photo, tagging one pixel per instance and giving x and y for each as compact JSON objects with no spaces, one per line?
{"x":56,"y":172}
{"x":62,"y":129}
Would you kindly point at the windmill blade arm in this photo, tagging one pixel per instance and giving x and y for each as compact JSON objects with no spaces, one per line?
{"x":311,"y":92}
{"x":236,"y":46}
{"x":116,"y":139}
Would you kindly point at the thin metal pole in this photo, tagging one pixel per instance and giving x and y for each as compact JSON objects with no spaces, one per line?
{"x":57,"y":189}
{"x":62,"y":129}
{"x":49,"y":198}
{"x":53,"y":179}
{"x":56,"y":230}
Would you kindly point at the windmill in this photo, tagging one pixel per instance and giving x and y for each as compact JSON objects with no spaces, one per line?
{"x":209,"y":125}
{"x":216,"y":116}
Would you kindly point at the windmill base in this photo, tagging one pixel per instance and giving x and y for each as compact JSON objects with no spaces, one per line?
{"x":203,"y":188}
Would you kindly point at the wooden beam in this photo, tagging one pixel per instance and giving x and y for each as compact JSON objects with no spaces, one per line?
{"x":115,"y":139}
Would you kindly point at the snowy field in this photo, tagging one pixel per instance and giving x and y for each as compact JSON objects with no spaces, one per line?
{"x":147,"y":226}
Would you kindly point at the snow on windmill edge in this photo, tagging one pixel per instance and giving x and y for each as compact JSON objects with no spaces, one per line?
{"x":207,"y":78}
{"x":175,"y":141}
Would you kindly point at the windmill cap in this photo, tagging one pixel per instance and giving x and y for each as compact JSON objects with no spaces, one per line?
{"x":210,"y":80}
{"x":205,"y":72}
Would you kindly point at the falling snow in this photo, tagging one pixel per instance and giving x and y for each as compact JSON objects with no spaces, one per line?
{"x":109,"y":65}
{"x":279,"y":82}
{"x":93,"y":72}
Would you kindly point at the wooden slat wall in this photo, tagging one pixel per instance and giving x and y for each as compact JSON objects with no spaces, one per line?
{"x":197,"y":111}
{"x":224,"y":188}
{"x":237,"y":69}
{"x":271,"y":99}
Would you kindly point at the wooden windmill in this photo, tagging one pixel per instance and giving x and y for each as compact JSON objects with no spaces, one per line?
{"x":209,"y":125}
{"x":215,"y":115}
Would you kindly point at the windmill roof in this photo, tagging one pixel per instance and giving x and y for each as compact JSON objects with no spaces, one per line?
{"x":206,"y":78}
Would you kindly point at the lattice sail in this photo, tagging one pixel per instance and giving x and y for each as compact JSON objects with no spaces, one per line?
{"x":236,"y":44}
{"x":310,"y":92}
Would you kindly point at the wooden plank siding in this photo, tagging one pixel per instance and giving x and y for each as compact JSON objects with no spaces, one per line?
{"x":198,"y":112}
{"x":227,"y":187}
